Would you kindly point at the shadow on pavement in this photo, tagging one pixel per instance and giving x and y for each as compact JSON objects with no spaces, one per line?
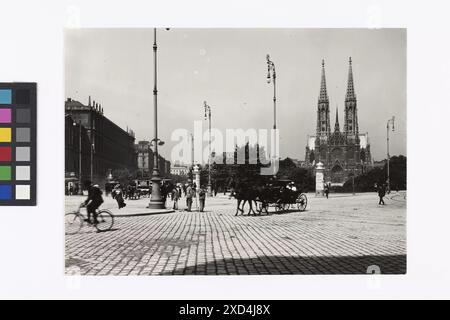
{"x":270,"y":213}
{"x":387,"y":264}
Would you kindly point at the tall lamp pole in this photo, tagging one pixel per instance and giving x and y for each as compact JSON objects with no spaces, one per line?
{"x":271,"y":77}
{"x":192,"y":150}
{"x":92,"y":161}
{"x":208,"y":116}
{"x":156,"y":201}
{"x":389,"y":124}
{"x":80,"y":181}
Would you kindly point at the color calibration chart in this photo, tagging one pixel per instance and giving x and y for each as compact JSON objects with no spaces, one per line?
{"x":18,"y":144}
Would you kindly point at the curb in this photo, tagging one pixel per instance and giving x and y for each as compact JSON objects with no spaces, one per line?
{"x":140,"y":214}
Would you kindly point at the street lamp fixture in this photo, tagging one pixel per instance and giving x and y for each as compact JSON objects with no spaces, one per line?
{"x":160,"y":142}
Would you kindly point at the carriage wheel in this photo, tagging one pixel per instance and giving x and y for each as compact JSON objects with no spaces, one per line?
{"x":302,"y":202}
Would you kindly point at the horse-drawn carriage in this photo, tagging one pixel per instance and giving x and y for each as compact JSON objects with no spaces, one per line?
{"x":279,"y":194}
{"x":282,"y":195}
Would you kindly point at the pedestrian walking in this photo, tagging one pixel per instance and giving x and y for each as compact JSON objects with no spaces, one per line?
{"x":381,"y":193}
{"x":189,"y":196}
{"x":175,"y":198}
{"x":327,"y":189}
{"x":118,"y":196}
{"x":202,"y":198}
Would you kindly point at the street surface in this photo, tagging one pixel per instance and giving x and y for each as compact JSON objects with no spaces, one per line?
{"x":345,"y":234}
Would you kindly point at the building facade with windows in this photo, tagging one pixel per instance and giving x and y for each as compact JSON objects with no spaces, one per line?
{"x":104,"y":146}
{"x":179,"y":170}
{"x":145,"y":161}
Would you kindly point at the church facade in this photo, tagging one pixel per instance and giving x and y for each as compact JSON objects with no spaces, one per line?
{"x":343,"y":153}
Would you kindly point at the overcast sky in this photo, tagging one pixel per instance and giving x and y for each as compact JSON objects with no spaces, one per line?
{"x":227,"y":68}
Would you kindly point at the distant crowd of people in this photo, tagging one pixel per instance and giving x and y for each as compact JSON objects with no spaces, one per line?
{"x":190,"y":192}
{"x":174,"y":193}
{"x":171,"y":194}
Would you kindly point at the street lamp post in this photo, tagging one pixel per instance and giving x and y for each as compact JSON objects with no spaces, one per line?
{"x":80,"y":181}
{"x":271,"y":77}
{"x":192,"y":150}
{"x":208,"y":115}
{"x":156,"y":201}
{"x":92,"y":161}
{"x":390,"y":123}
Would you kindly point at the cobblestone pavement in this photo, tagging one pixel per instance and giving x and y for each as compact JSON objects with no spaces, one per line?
{"x":342,"y":235}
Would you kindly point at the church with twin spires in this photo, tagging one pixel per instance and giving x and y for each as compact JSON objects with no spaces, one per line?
{"x":343,"y":153}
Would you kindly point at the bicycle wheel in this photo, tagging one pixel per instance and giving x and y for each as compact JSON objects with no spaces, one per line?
{"x":105,"y":221}
{"x":73,"y":223}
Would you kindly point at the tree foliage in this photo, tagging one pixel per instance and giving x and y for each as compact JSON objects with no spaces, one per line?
{"x":302,"y":177}
{"x":366,"y":182}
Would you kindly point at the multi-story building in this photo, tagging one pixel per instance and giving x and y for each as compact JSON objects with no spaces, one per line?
{"x":343,"y":153}
{"x":144,"y":158}
{"x":145,"y":161}
{"x":105,"y":147}
{"x":179,"y":170}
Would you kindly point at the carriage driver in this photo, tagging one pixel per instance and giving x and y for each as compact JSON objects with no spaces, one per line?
{"x":292,"y":186}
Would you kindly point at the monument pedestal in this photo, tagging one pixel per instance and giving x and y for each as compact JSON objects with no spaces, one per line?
{"x":156,"y":201}
{"x":320,"y":179}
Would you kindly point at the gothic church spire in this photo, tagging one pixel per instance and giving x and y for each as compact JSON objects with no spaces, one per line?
{"x":350,"y":88}
{"x":323,"y":96}
{"x":336,"y":124}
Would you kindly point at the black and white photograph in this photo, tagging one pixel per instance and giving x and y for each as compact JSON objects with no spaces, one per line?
{"x":226,"y":159}
{"x":235,"y":151}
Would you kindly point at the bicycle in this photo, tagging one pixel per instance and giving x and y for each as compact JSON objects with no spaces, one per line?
{"x":74,"y":221}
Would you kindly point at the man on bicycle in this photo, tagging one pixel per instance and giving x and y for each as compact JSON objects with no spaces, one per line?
{"x":93,"y":202}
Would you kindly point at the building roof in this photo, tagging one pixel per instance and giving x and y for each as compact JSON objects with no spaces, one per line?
{"x":74,"y":105}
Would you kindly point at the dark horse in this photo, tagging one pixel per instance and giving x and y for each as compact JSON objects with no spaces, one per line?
{"x":244,"y":192}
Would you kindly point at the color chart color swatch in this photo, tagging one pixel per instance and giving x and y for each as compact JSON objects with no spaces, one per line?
{"x":18,"y":144}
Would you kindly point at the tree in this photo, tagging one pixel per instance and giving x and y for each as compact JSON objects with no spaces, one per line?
{"x":397,"y":172}
{"x":366,"y":182}
{"x":302,"y":177}
{"x":124,"y":176}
